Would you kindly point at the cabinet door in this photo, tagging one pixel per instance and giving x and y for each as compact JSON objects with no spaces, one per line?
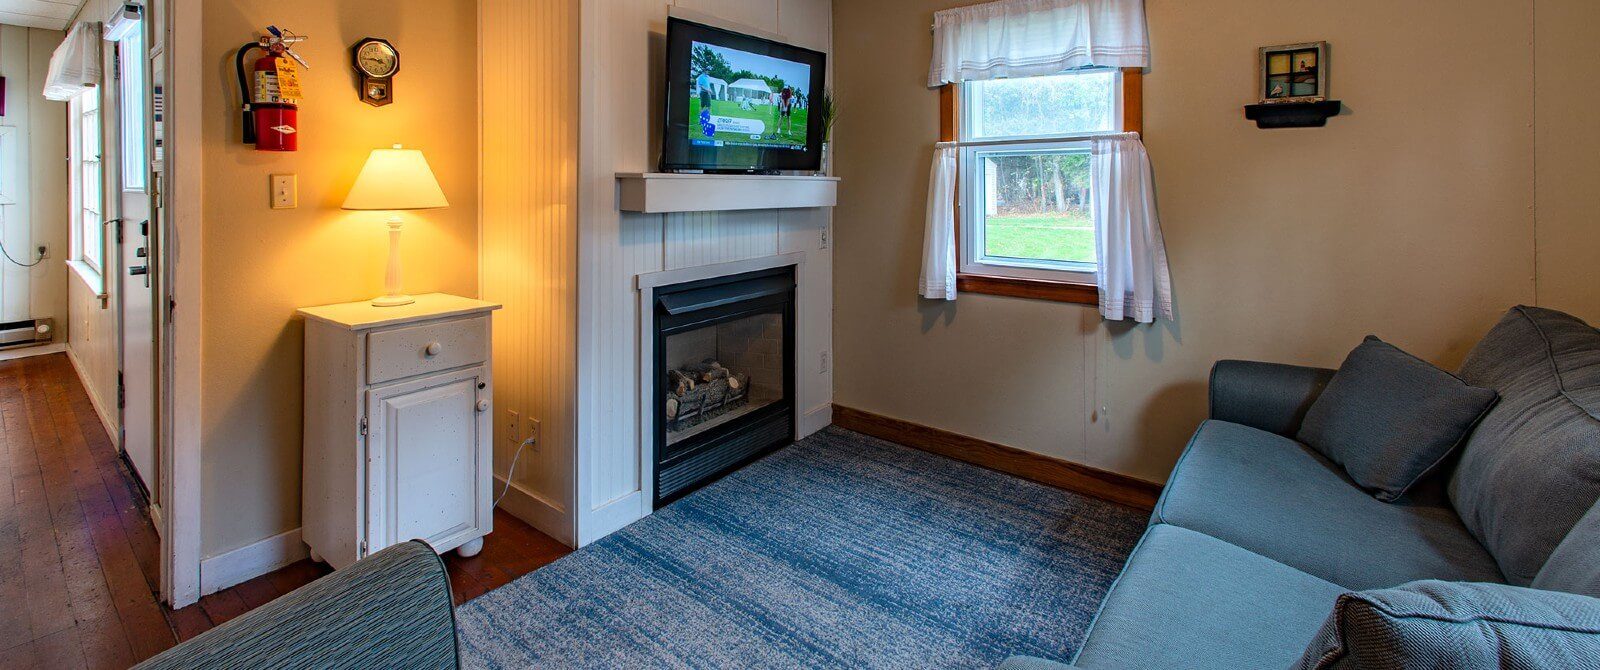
{"x":427,"y":461}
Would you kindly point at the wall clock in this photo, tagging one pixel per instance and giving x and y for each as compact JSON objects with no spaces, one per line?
{"x":376,"y":62}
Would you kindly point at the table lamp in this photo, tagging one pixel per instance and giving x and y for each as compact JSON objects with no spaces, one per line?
{"x":394,"y":180}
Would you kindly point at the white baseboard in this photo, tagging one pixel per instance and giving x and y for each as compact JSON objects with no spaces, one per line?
{"x":108,"y":418}
{"x":537,"y":511}
{"x":816,"y":419}
{"x":29,"y":352}
{"x":612,"y":516}
{"x":250,"y":561}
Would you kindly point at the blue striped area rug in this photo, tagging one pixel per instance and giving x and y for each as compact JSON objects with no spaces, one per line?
{"x":840,"y":551}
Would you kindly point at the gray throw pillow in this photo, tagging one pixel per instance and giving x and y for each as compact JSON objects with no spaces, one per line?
{"x":1434,"y":624}
{"x":1389,"y":417}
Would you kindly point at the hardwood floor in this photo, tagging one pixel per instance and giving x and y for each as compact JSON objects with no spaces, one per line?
{"x":80,"y":560}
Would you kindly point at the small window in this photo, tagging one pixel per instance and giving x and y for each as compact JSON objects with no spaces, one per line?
{"x":88,"y":243}
{"x":131,"y":102}
{"x":1024,"y":173}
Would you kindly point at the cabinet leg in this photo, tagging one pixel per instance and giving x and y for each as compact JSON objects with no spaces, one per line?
{"x":316,"y":556}
{"x":470,"y":548}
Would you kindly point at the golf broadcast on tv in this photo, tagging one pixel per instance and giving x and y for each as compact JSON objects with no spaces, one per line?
{"x":737,"y":98}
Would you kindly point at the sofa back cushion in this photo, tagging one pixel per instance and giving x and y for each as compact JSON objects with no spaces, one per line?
{"x":1574,"y":566}
{"x":1532,"y":467}
{"x":1434,"y":624}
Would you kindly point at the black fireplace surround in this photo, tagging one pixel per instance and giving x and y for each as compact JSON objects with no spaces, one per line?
{"x":724,"y":376}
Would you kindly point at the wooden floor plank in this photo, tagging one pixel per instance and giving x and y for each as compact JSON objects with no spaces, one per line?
{"x":80,"y":557}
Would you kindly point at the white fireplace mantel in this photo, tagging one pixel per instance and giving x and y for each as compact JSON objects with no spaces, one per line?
{"x":663,"y":192}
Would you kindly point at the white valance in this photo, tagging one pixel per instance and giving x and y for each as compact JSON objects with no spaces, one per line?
{"x":75,"y":65}
{"x":1029,"y":38}
{"x":1134,"y":280}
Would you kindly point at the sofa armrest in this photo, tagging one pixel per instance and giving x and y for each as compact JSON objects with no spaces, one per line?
{"x":1269,"y":396}
{"x":391,"y":609}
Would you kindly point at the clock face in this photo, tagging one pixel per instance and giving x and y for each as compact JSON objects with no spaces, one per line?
{"x":376,"y":59}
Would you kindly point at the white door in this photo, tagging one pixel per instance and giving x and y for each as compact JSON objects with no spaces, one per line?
{"x":135,"y":275}
{"x":425,"y":461}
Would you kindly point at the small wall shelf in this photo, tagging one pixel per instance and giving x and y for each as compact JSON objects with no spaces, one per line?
{"x":1292,"y":114}
{"x":661,"y":192}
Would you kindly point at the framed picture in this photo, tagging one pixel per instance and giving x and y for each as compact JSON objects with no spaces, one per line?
{"x":1294,"y":73}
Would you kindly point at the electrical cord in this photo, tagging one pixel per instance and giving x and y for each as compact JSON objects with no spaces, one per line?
{"x":512,"y":471}
{"x":14,"y":261}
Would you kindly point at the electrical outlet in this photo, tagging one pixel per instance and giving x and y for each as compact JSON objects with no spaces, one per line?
{"x":44,"y":252}
{"x":824,"y":363}
{"x":285,"y":191}
{"x":531,"y":427}
{"x":513,"y":426}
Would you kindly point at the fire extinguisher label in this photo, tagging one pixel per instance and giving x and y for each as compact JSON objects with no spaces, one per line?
{"x":285,"y":129}
{"x":266,"y":88}
{"x":288,"y":80}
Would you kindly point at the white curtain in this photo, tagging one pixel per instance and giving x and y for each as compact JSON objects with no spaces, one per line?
{"x":75,"y":65}
{"x":939,"y":242}
{"x":1133,"y":276}
{"x":1027,"y":38}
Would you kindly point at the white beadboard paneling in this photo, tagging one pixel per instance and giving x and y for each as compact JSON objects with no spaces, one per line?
{"x":528,"y":76}
{"x":621,"y":61}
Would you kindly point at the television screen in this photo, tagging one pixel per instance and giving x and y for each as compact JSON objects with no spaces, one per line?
{"x":739,"y":103}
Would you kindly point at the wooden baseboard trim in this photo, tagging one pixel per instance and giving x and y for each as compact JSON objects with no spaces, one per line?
{"x":1047,"y":470}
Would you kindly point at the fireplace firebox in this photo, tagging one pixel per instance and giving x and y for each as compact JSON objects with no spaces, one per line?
{"x":724,"y":375}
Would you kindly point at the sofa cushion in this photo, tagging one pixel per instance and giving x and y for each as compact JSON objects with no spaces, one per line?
{"x":1433,"y":624}
{"x":1532,"y":467}
{"x":1187,"y":600}
{"x":1281,"y":499}
{"x":1389,"y":417}
{"x":1574,"y":566}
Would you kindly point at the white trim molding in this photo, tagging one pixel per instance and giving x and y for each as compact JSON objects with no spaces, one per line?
{"x":251,"y":561}
{"x":108,"y":417}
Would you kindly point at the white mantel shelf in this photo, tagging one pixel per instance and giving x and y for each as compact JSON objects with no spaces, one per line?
{"x":662,"y":192}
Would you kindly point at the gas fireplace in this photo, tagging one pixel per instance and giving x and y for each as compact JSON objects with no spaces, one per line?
{"x":724,"y":375}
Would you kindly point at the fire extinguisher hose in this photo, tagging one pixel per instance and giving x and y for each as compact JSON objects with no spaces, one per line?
{"x":249,"y":125}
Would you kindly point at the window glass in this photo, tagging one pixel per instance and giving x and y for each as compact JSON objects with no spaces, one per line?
{"x":90,"y":242}
{"x":1066,"y":104}
{"x":130,"y":53}
{"x":1036,"y":206}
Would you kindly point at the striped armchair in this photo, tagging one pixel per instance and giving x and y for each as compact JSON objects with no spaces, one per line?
{"x":390,"y":610}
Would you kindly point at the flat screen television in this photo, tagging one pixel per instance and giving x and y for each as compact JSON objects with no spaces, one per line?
{"x":739,"y":103}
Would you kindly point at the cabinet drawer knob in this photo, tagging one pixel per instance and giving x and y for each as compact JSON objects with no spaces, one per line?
{"x":434,"y":348}
{"x":483,"y":405}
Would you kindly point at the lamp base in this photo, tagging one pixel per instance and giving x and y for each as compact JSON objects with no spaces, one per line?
{"x":392,"y":300}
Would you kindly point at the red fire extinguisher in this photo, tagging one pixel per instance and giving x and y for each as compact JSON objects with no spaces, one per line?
{"x":271,"y":118}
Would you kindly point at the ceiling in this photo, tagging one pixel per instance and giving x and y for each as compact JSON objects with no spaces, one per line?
{"x":52,"y":14}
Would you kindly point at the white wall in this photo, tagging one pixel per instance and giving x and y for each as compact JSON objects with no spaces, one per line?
{"x":36,"y":181}
{"x":528,"y":256}
{"x":622,"y":52}
{"x":1413,"y":215}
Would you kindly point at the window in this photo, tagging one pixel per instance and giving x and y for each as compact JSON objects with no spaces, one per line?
{"x":88,"y":243}
{"x":131,"y":99}
{"x":1025,"y":225}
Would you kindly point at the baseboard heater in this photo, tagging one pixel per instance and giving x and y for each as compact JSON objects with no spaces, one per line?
{"x":27,"y":333}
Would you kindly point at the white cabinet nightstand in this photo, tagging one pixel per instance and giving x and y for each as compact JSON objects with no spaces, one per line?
{"x":398,"y":402}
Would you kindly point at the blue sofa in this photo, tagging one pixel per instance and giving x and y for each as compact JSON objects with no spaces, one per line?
{"x":1256,"y":535}
{"x":392,"y":609}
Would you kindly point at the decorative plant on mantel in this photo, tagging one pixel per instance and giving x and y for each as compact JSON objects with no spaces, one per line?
{"x":830,"y":112}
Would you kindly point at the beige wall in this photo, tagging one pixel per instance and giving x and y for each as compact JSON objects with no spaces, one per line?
{"x":38,"y":188}
{"x":1411,"y":216}
{"x":260,"y":264}
{"x":1568,"y":150}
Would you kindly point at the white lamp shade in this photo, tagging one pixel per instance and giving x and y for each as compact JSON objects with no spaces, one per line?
{"x":396,"y":179}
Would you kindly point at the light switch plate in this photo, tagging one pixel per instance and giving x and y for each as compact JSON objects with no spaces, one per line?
{"x":285,"y":191}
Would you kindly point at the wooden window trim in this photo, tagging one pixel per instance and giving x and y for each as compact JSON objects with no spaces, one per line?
{"x":1039,"y":289}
